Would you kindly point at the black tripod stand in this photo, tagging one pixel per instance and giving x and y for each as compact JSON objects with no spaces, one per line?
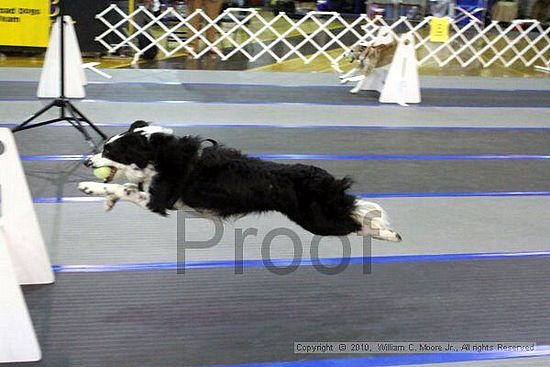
{"x":68,"y":112}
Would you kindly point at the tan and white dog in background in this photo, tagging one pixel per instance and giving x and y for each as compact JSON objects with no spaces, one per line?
{"x":368,"y":56}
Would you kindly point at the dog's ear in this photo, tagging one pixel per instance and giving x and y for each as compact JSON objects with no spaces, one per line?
{"x":137,"y":124}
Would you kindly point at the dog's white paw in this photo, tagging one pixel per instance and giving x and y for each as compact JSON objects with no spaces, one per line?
{"x":387,"y":235}
{"x":131,"y":192}
{"x":122,"y":191}
{"x":110,"y":202}
{"x":130,"y":189}
{"x":92,"y":188}
{"x":380,"y":232}
{"x":354,"y":91}
{"x":103,"y":189}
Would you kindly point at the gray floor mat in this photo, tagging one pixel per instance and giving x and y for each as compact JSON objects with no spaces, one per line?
{"x":290,"y":115}
{"x":158,"y":318}
{"x":270,"y":78}
{"x":340,"y":141}
{"x":47,"y":179}
{"x":513,"y":362}
{"x":82,"y":233}
{"x":211,"y":316}
{"x":337,"y":95}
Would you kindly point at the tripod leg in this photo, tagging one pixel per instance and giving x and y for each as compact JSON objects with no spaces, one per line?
{"x":32,"y":117}
{"x":73,"y":120}
{"x":92,"y":125}
{"x":38,"y":124}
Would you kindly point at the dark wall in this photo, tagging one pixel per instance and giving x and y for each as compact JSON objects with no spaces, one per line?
{"x":87,"y":26}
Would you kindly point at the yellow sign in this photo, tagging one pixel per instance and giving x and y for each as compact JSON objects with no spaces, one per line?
{"x":439,"y":29}
{"x":24,"y":23}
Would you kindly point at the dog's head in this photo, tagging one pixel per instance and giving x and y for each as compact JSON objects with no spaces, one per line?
{"x":355,"y":52}
{"x":129,"y":154}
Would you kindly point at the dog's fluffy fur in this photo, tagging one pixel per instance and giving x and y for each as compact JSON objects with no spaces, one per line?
{"x":166,"y":172}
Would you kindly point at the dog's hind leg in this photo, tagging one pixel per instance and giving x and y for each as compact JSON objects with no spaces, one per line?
{"x":359,"y":85}
{"x":346,"y":76}
{"x":374,"y":221}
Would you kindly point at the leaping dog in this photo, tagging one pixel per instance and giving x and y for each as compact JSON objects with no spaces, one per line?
{"x":166,"y":172}
{"x":367,"y":56}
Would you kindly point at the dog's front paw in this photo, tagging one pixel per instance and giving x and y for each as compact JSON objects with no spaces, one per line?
{"x":130,"y":188}
{"x":83,"y":186}
{"x":91,"y":188}
{"x":110,"y":202}
{"x":101,"y":189}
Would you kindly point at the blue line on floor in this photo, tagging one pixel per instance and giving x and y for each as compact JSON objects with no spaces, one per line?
{"x":55,"y":157}
{"x":366,"y":195}
{"x":403,"y":359}
{"x":399,"y":157}
{"x":327,"y":262}
{"x":337,"y":157}
{"x":68,"y":199}
{"x":451,"y":194}
{"x":306,"y":126}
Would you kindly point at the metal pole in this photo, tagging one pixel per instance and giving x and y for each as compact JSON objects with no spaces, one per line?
{"x":131,"y":8}
{"x":62,"y":46}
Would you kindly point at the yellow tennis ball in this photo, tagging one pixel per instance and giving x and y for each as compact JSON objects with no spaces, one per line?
{"x":102,"y":172}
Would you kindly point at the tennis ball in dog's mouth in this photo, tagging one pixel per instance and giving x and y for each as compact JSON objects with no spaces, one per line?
{"x":102,"y":172}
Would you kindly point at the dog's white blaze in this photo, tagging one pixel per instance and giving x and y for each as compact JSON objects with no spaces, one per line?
{"x":150,"y":130}
{"x":114,"y":138}
{"x":147,"y":131}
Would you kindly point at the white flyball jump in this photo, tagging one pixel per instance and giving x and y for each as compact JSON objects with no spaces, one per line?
{"x":402,"y":85}
{"x":23,"y":256}
{"x":75,"y":78}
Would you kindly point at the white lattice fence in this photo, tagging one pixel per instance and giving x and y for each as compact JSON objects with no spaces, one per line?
{"x":326,"y":35}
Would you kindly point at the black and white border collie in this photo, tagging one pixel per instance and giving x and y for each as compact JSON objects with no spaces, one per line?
{"x":166,"y":172}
